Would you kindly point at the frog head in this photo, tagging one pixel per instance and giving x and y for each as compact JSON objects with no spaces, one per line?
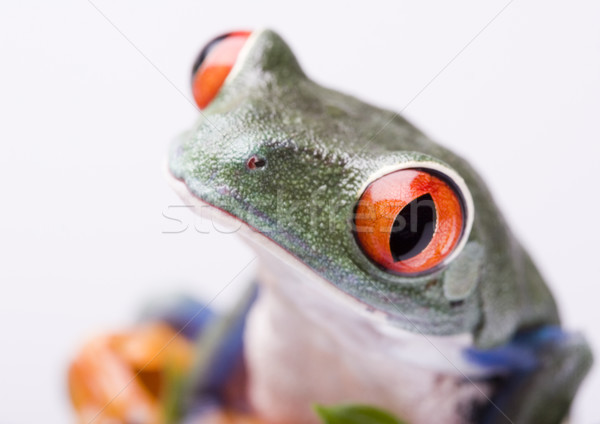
{"x":354,"y":194}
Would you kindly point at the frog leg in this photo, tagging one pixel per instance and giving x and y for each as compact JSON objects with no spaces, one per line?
{"x":218,"y":376}
{"x":548,"y":367}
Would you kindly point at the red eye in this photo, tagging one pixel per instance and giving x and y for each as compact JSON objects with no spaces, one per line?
{"x":409,"y":221}
{"x":214,"y":64}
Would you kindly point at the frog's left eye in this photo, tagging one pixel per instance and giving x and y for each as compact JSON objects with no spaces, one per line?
{"x":214,"y":64}
{"x":410,"y":221}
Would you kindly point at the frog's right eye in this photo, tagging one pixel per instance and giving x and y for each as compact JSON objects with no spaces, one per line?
{"x":412,"y":221}
{"x":214,"y":64}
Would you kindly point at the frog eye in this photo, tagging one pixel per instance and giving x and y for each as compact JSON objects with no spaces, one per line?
{"x":410,"y":221}
{"x":214,"y":64}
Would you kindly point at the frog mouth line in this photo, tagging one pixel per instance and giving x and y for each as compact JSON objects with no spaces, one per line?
{"x":247,"y":231}
{"x":226,"y":217}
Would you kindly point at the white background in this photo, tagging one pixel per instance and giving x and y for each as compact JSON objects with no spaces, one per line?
{"x":86,"y":119}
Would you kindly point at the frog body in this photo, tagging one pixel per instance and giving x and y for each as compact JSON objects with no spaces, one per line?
{"x":468,"y":333}
{"x":327,"y":325}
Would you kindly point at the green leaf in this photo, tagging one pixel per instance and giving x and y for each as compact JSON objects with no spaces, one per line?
{"x":355,"y":414}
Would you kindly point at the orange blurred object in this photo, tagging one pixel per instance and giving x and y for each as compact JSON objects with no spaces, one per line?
{"x":215,"y":67}
{"x":119,"y":378}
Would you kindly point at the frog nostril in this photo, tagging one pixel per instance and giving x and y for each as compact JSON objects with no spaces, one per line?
{"x":457,"y":303}
{"x":255,"y":162}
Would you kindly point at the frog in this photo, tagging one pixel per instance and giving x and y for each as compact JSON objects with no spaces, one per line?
{"x":387,"y":276}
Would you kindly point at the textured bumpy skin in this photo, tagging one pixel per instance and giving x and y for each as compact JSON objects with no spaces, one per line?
{"x":321,"y":148}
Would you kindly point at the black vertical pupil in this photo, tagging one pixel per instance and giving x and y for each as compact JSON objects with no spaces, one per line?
{"x":206,"y":50}
{"x":413,"y":228}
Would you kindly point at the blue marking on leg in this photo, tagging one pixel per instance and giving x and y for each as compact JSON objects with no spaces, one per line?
{"x":229,"y":353}
{"x":520,"y":354}
{"x":183,"y":313}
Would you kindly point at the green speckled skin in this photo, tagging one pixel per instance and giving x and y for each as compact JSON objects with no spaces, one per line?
{"x":321,"y":148}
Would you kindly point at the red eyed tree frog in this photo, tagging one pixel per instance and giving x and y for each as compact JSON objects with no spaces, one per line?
{"x":390,"y":288}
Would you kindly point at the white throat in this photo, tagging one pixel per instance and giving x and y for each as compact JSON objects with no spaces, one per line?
{"x":304,"y":345}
